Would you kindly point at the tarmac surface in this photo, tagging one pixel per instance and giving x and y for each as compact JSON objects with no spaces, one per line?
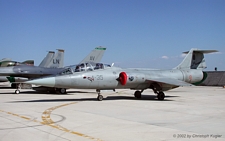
{"x":187,"y":113}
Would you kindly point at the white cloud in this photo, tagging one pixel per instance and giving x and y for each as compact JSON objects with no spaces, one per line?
{"x":165,"y":57}
{"x":183,"y":55}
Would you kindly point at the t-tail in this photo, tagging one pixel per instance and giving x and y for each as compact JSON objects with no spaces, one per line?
{"x":95,"y":56}
{"x":194,"y":59}
{"x":53,"y":60}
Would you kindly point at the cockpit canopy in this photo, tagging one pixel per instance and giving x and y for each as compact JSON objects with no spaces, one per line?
{"x":84,"y":67}
{"x":9,"y":63}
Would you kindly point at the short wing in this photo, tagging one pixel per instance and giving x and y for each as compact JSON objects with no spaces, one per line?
{"x":170,"y":81}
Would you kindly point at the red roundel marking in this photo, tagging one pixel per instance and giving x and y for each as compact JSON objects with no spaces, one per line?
{"x":123,"y":78}
{"x":190,"y":77}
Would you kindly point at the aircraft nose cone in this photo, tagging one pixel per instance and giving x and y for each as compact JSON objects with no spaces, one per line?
{"x":48,"y":82}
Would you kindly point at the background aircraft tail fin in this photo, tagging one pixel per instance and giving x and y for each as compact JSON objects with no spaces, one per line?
{"x":53,"y":60}
{"x":194,"y":59}
{"x":95,"y":55}
{"x":47,"y":59}
{"x":57,"y":60}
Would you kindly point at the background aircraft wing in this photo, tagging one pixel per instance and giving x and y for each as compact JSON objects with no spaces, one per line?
{"x":170,"y":81}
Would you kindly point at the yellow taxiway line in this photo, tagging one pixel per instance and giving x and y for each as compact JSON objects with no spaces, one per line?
{"x":46,"y":117}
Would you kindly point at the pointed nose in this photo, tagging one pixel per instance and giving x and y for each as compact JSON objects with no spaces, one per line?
{"x":48,"y":81}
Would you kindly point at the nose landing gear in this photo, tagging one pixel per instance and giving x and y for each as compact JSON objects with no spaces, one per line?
{"x":99,"y":97}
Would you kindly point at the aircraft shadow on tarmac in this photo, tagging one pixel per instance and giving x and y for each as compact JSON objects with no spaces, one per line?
{"x":46,"y":93}
{"x":144,"y":98}
{"x":6,"y":88}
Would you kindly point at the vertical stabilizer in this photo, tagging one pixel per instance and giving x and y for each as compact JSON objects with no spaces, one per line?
{"x":46,"y":61}
{"x":95,"y":55}
{"x":194,"y":59}
{"x":57,"y":60}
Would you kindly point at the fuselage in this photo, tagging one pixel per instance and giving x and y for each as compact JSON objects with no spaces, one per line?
{"x":27,"y":71}
{"x":110,"y":78}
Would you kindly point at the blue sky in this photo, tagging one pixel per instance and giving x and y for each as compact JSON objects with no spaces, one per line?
{"x":137,"y":33}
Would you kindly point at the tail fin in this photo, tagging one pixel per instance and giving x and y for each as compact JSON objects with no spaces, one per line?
{"x":95,"y":55}
{"x":194,"y":59}
{"x":47,"y":59}
{"x":57,"y":60}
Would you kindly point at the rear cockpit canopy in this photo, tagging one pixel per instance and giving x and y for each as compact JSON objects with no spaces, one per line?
{"x":84,"y":67}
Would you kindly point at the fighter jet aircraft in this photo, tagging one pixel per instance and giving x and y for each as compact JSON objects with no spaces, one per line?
{"x":12,"y":63}
{"x":47,"y":62}
{"x":25,"y":72}
{"x":106,"y":77}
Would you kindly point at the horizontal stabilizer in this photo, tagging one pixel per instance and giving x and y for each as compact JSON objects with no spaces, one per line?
{"x":194,"y":59}
{"x":202,"y":51}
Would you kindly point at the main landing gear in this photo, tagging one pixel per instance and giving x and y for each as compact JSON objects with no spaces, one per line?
{"x":137,"y":94}
{"x":160,"y":94}
{"x":61,"y":90}
{"x":99,"y":97}
{"x":158,"y":91}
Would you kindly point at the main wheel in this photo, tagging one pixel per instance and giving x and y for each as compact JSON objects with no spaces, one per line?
{"x":161,"y":96}
{"x":60,"y":90}
{"x":100,"y":98}
{"x":137,"y":94}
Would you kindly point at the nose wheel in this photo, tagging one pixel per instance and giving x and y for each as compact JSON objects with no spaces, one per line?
{"x":17,"y":91}
{"x":99,"y":97}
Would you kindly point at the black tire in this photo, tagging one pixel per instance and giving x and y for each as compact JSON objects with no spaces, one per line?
{"x":100,"y":98}
{"x":161,"y":96}
{"x":61,"y":90}
{"x":137,"y":94}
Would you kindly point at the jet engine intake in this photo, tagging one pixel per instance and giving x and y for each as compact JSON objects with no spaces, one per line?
{"x":123,"y":78}
{"x":131,"y":78}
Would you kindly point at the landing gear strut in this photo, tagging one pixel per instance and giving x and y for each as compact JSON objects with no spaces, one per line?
{"x":158,"y":90}
{"x":99,"y":97}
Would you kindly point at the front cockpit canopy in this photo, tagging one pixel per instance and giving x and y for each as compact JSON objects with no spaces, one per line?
{"x":9,"y":63}
{"x":84,"y":67}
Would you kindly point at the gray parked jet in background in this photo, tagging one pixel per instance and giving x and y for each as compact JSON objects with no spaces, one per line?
{"x":105,"y":77}
{"x":12,"y":63}
{"x":25,"y":72}
{"x":46,"y":62}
